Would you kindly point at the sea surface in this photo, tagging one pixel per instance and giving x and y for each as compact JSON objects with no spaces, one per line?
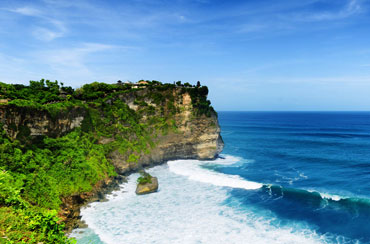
{"x":283,"y":177}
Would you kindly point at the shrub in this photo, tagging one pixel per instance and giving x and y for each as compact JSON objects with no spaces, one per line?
{"x":144,"y":178}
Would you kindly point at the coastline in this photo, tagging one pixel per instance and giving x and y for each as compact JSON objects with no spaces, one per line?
{"x":201,"y":140}
{"x":71,"y":208}
{"x":126,"y":217}
{"x":97,"y":141}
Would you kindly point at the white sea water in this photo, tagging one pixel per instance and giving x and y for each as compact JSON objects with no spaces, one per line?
{"x":192,"y":170}
{"x":193,"y":205}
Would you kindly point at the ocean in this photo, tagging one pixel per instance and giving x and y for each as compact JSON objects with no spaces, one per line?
{"x":283,"y":177}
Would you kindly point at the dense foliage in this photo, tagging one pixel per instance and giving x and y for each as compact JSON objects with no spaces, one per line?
{"x":34,"y":177}
{"x":37,"y":172}
{"x":144,"y":178}
{"x":20,"y":221}
{"x":199,"y":100}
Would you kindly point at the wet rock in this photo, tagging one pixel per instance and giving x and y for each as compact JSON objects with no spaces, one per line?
{"x":147,"y":188}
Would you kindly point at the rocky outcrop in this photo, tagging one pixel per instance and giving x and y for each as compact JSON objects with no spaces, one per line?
{"x":19,"y":122}
{"x":196,"y":137}
{"x":70,"y":208}
{"x":147,"y":188}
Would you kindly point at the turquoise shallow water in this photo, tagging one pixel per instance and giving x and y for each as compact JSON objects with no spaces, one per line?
{"x":284,"y":177}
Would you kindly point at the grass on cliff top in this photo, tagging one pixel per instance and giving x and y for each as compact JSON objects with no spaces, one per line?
{"x":54,"y":97}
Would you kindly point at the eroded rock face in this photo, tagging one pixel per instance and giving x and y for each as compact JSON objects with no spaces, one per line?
{"x":196,"y":137}
{"x":22,"y":122}
{"x":147,"y":188}
{"x":70,"y":208}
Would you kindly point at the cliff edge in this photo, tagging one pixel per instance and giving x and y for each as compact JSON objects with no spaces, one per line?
{"x":61,"y":147}
{"x":185,"y":132}
{"x":191,"y":136}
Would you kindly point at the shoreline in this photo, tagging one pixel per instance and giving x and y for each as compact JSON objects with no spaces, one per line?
{"x":71,"y":207}
{"x":124,"y":130}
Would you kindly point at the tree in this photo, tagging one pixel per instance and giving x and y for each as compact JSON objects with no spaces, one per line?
{"x":198,"y":83}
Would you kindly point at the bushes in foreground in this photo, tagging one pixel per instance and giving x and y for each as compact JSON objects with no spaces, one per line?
{"x":20,"y":222}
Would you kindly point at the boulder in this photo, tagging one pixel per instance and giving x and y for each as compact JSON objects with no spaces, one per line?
{"x":146,"y":188}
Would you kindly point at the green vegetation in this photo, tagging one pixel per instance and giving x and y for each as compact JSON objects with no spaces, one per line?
{"x":21,"y":222}
{"x":199,"y":100}
{"x":144,"y":178}
{"x":34,"y":178}
{"x":37,"y":172}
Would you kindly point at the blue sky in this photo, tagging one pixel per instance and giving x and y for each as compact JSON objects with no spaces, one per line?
{"x":253,"y":55}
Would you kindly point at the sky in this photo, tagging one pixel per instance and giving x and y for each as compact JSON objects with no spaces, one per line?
{"x":263,"y":55}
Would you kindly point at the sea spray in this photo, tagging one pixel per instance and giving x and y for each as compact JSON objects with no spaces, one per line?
{"x":194,"y":171}
{"x":186,"y":211}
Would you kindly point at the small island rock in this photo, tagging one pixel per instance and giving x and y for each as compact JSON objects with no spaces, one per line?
{"x":146,"y":188}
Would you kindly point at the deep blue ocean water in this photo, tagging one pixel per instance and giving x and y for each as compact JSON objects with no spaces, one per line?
{"x":300,"y":155}
{"x":283,"y":177}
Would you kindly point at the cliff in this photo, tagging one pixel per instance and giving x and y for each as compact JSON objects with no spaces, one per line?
{"x":191,"y":136}
{"x":59,"y":152}
{"x":20,"y":122}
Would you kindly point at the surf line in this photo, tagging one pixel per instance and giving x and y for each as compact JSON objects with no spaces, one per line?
{"x":193,"y":170}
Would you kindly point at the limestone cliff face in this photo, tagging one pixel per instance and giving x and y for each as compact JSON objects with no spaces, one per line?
{"x":193,"y":136}
{"x":21,"y":122}
{"x":196,"y":136}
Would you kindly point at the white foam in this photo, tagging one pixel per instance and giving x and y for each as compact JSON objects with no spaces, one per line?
{"x":328,"y":196}
{"x":193,"y":170}
{"x":226,"y":160}
{"x":331,"y":197}
{"x":187,"y":211}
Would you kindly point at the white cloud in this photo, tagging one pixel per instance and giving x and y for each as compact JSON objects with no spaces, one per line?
{"x":286,"y":18}
{"x":15,"y":69}
{"x":61,"y":59}
{"x":29,"y":11}
{"x":47,"y":28}
{"x":352,"y":7}
{"x":182,"y":18}
{"x":47,"y":34}
{"x":70,"y":65}
{"x":73,"y":64}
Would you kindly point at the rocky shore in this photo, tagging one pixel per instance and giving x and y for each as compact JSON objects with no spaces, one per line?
{"x":71,"y":206}
{"x":192,"y":135}
{"x":70,"y":209}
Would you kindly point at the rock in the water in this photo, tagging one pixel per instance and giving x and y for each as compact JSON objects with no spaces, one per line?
{"x":147,"y":187}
